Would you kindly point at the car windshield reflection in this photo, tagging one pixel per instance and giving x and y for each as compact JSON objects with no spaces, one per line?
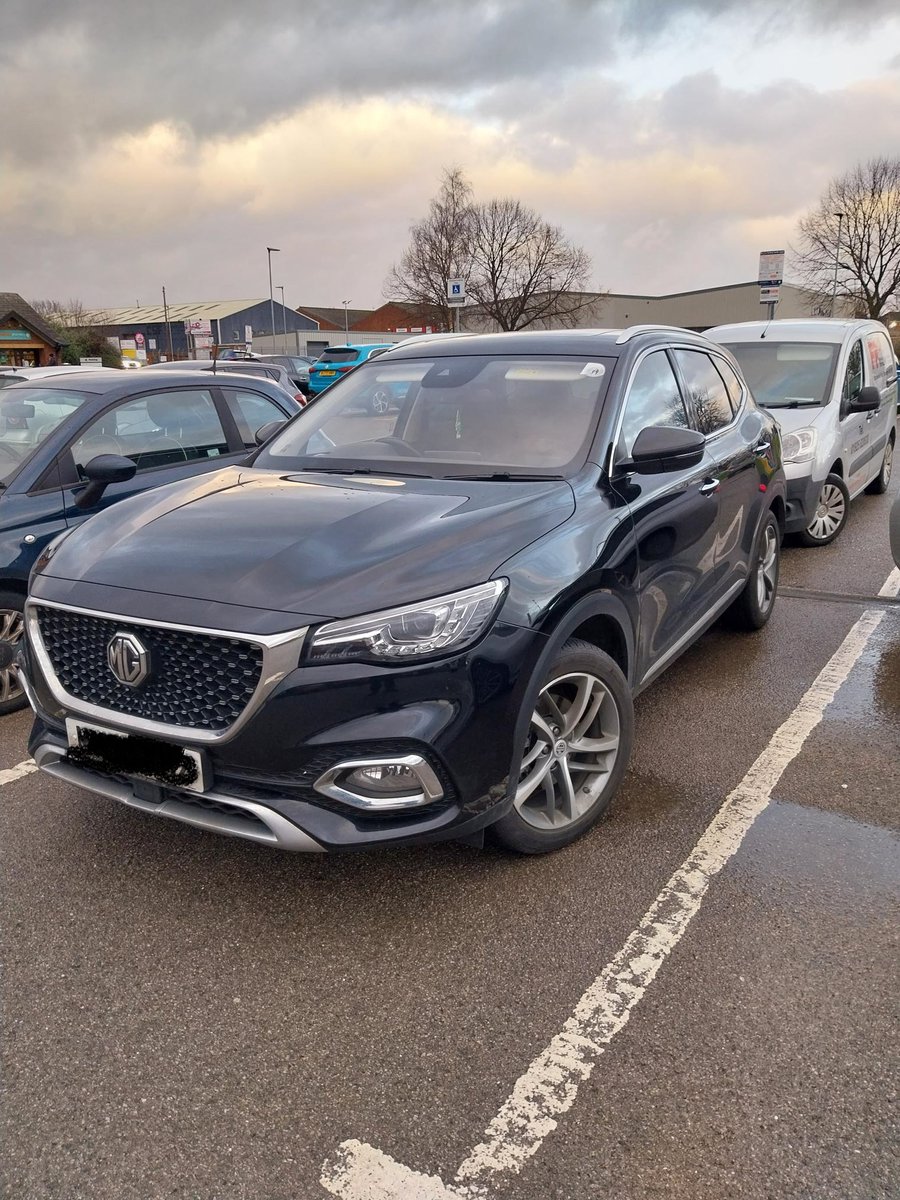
{"x":472,"y":417}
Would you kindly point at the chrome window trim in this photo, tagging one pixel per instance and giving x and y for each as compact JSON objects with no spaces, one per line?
{"x":281,"y":654}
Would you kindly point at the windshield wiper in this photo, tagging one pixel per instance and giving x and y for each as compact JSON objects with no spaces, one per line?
{"x":367,"y":471}
{"x":787,"y":403}
{"x":507,"y":476}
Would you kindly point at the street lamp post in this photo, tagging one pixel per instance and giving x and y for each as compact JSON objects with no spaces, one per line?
{"x":283,"y":320}
{"x":346,"y":304}
{"x":168,"y":326}
{"x":270,"y":250}
{"x":837,"y":256}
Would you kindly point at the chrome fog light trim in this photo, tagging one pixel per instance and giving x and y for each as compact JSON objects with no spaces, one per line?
{"x":332,"y":784}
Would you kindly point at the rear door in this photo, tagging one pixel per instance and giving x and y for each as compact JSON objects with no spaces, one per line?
{"x":715,"y":397}
{"x":880,"y":372}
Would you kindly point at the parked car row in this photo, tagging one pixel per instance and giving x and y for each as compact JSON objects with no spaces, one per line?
{"x":305,"y":645}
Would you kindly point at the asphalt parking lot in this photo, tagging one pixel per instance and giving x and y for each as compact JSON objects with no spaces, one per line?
{"x":188,"y":1016}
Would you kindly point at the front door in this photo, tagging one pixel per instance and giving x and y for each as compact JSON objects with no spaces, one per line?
{"x":675,"y":516}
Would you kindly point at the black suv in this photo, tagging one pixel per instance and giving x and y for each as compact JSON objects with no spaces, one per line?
{"x":422,"y":624}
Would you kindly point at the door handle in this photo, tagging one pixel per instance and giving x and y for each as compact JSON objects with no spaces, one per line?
{"x":762,"y":448}
{"x":709,"y":487}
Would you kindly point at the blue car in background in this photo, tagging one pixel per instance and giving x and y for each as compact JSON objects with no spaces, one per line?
{"x":336,"y":361}
{"x":71,"y":445}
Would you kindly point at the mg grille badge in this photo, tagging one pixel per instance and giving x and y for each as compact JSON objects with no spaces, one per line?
{"x":128,"y":659}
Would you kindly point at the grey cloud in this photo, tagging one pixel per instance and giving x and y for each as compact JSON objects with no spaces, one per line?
{"x":98,"y":69}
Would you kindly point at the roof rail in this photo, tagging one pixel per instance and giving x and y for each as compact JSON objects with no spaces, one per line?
{"x":627,"y":334}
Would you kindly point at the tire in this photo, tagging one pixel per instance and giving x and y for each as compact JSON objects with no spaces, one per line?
{"x":12,"y":626}
{"x":882,"y":480}
{"x":830,"y":517}
{"x":753,"y":607}
{"x":555,"y":801}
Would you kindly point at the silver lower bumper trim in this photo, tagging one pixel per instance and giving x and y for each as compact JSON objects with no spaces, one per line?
{"x":276,"y":830}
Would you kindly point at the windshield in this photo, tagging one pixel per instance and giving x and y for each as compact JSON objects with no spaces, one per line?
{"x":787,"y":374}
{"x":468,"y":416}
{"x":28,"y":415}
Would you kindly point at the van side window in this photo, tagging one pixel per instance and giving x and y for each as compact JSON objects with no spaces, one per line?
{"x":853,"y":377}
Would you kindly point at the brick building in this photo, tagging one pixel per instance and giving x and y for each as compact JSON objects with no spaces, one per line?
{"x":26,"y":340}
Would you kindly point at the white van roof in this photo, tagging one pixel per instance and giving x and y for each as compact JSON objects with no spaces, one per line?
{"x":807,"y":329}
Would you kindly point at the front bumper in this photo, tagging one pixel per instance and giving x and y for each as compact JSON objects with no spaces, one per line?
{"x":457,"y":715}
{"x":800,"y":502}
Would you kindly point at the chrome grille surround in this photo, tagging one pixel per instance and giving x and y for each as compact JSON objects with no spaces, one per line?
{"x":276,"y":654}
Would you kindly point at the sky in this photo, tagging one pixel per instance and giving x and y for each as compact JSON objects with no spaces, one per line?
{"x":169,"y":144}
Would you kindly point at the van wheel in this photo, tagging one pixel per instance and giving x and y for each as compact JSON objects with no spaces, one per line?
{"x":830,"y":515}
{"x":12,"y":627}
{"x":881,"y":482}
{"x":754,"y":605}
{"x":575,"y":754}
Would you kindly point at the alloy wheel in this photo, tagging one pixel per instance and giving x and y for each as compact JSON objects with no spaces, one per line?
{"x":831,"y":510}
{"x":572,"y":748}
{"x":767,"y":569}
{"x":12,"y":626}
{"x":887,"y":464}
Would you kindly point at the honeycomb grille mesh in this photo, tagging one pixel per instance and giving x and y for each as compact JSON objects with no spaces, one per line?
{"x":197,"y":680}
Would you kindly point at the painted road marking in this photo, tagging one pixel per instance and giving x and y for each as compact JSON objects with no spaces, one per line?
{"x":11,"y":774}
{"x":548,"y":1088}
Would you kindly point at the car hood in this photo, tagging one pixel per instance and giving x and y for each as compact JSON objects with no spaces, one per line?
{"x":792,"y":419}
{"x":314,"y":544}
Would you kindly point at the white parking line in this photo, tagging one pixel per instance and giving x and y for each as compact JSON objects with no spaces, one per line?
{"x":11,"y":774}
{"x":548,"y":1088}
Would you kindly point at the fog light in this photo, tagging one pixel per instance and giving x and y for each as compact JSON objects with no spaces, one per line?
{"x":380,"y":784}
{"x":386,"y":779}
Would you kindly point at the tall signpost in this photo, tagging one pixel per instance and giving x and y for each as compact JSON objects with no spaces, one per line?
{"x":456,"y":298}
{"x":770,"y":279}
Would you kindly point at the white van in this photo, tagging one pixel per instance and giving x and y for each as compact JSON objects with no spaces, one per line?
{"x":832,"y":385}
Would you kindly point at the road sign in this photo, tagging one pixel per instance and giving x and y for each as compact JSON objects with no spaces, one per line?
{"x":91,"y":362}
{"x":456,"y":291}
{"x":769,"y":295}
{"x":771,"y":268}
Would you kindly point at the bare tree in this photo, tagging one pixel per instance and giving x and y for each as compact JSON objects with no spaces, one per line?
{"x":440,"y":249}
{"x":856,"y":229}
{"x":525,"y":270}
{"x":84,"y":337}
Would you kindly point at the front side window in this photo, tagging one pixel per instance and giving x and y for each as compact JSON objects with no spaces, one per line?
{"x":853,"y":376}
{"x":28,"y":415}
{"x":163,"y":429}
{"x":653,"y":399}
{"x":472,"y":415}
{"x":732,"y":383}
{"x":709,"y":397}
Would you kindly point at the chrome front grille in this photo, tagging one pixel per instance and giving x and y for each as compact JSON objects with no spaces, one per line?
{"x":197,"y":680}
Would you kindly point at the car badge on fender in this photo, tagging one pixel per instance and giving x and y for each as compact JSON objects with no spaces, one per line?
{"x":128,"y":659}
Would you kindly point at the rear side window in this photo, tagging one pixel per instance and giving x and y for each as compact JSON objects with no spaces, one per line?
{"x":709,"y":397}
{"x":732,"y":383}
{"x":653,"y":399}
{"x":251,"y":411}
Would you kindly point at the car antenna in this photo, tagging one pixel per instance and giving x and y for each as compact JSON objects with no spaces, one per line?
{"x":215,"y":356}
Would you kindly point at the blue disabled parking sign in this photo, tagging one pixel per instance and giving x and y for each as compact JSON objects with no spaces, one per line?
{"x":456,"y":291}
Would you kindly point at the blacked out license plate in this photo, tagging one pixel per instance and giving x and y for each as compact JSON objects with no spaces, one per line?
{"x":133,"y":754}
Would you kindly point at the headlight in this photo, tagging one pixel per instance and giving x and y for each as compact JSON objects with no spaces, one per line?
{"x":413,"y":631}
{"x":799,"y":446}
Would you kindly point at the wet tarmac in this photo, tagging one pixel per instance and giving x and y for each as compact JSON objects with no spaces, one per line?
{"x":192,"y":1017}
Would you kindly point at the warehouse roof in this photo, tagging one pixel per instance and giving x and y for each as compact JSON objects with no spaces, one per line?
{"x":148,"y":314}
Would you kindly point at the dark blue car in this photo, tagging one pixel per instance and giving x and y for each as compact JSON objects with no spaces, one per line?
{"x":72,"y":445}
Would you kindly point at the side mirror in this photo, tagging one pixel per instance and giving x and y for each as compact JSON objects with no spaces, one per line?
{"x":868,"y":400}
{"x":101,"y":471}
{"x":268,"y":431}
{"x":665,"y":448}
